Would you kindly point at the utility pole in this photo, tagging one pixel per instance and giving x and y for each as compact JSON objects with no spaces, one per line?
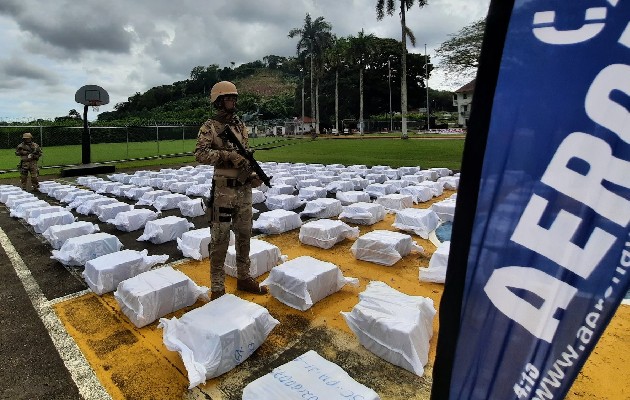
{"x":426,"y":82}
{"x":391,"y":116}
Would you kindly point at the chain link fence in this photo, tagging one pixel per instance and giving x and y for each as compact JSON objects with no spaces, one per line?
{"x":61,"y":145}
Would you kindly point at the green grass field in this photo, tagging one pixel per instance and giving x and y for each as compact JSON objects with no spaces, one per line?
{"x":424,"y":152}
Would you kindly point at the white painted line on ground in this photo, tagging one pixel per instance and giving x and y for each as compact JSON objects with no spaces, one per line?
{"x":80,"y":371}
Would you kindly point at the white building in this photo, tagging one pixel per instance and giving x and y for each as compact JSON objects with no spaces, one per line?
{"x":462,"y":99}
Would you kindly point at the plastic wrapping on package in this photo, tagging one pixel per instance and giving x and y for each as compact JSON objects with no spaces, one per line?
{"x":150,"y":295}
{"x":283,"y":201}
{"x":105,"y":212}
{"x":449,"y":182}
{"x":383,"y":247}
{"x":428,"y":175}
{"x":192,"y":208}
{"x":414,"y":178}
{"x":420,"y":221}
{"x":78,"y":250}
{"x":262,"y":256}
{"x":303,"y":281}
{"x":194,"y":243}
{"x":325,"y":233}
{"x":351,"y":197}
{"x":394,"y":326}
{"x":34,"y":213}
{"x":258,"y":196}
{"x":305,"y":373}
{"x":363,"y":213}
{"x":13,"y":200}
{"x":164,"y":230}
{"x":104,"y":273}
{"x":277,"y":221}
{"x":340,"y":186}
{"x":149,"y":197}
{"x":379,"y":189}
{"x":181,"y":187}
{"x":215,"y":338}
{"x":436,"y":188}
{"x":280,"y":189}
{"x":445,"y":209}
{"x":20,"y":210}
{"x":441,"y":171}
{"x":45,"y":221}
{"x":83,"y":198}
{"x":57,"y":235}
{"x":202,"y":190}
{"x":135,"y":193}
{"x":437,"y":265}
{"x":70,"y":196}
{"x":90,"y":206}
{"x":395,"y":202}
{"x":133,"y":220}
{"x":419,"y":194}
{"x":312,"y":193}
{"x":169,"y":201}
{"x":322,"y":208}
{"x":376,"y":177}
{"x":61,"y":192}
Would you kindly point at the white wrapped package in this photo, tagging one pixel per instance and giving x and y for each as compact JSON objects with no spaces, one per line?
{"x":202,"y":190}
{"x":449,"y":182}
{"x":133,"y":219}
{"x":379,"y":189}
{"x":4,"y":195}
{"x":164,"y":230}
{"x":325,"y":233}
{"x":277,"y":221}
{"x":215,"y":338}
{"x":376,"y":177}
{"x":359,"y":183}
{"x":149,"y":197}
{"x":420,"y":221}
{"x":14,"y":200}
{"x":258,"y":196}
{"x":408,"y":170}
{"x":429,"y":175}
{"x":45,"y":221}
{"x":192,"y":208}
{"x":363,"y":213}
{"x":20,"y":210}
{"x":181,"y":187}
{"x":414,"y":178}
{"x":278,"y":179}
{"x":169,"y":201}
{"x":70,"y":196}
{"x":194,"y":243}
{"x":305,"y":372}
{"x":34,"y":213}
{"x":105,"y":212}
{"x":280,"y":189}
{"x":83,"y":198}
{"x":122,"y":189}
{"x":419,"y":194}
{"x":351,"y":197}
{"x":57,"y":235}
{"x":395,"y":202}
{"x":340,"y":186}
{"x":150,"y":295}
{"x":90,"y":206}
{"x":110,"y":187}
{"x":436,"y":188}
{"x":135,"y":193}
{"x":437,"y":265}
{"x":310,"y":181}
{"x":78,"y":250}
{"x":303,"y":281}
{"x":394,"y":326}
{"x":104,"y":273}
{"x":445,"y":209}
{"x":312,"y":193}
{"x":283,"y":201}
{"x":442,"y":171}
{"x":322,"y":208}
{"x":262,"y":256}
{"x":398,"y":184}
{"x":383,"y":247}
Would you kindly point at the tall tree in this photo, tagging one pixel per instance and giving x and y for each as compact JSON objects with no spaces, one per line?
{"x":460,"y":53}
{"x":335,"y":59}
{"x":312,"y":35}
{"x":361,"y":49}
{"x":389,"y":6}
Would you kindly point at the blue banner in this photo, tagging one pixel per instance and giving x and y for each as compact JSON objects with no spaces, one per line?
{"x":549,"y":256}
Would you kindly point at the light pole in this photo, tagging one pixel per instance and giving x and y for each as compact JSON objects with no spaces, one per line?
{"x":391,"y":117}
{"x":426,"y":81}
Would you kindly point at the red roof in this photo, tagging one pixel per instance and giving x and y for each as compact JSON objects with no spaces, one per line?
{"x":469,"y":87}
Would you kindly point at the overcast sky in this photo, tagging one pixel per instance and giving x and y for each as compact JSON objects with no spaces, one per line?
{"x":52,"y":48}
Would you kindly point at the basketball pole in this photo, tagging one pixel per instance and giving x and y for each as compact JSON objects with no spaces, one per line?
{"x":85,"y":139}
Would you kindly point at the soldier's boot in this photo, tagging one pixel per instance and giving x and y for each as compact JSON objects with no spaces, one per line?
{"x":250,"y":285}
{"x":215,"y":294}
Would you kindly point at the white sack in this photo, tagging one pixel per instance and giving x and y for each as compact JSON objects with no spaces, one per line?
{"x":277,"y":221}
{"x":363,"y":213}
{"x":215,"y":338}
{"x":45,"y":221}
{"x":194,"y":243}
{"x":90,"y":206}
{"x":150,"y":295}
{"x":104,"y":273}
{"x":395,"y":202}
{"x":322,"y":208}
{"x":312,"y":193}
{"x":419,"y":194}
{"x":436,"y":272}
{"x":57,"y":235}
{"x":290,"y":381}
{"x":383,"y":247}
{"x":105,"y":212}
{"x":78,"y":250}
{"x":394,"y":326}
{"x":192,"y":208}
{"x":303,"y":281}
{"x":420,"y":221}
{"x":169,"y":201}
{"x":325,"y":233}
{"x":445,"y":209}
{"x":351,"y":197}
{"x":20,"y":210}
{"x":262,"y":256}
{"x":164,"y":230}
{"x":133,"y":219}
{"x":283,"y":201}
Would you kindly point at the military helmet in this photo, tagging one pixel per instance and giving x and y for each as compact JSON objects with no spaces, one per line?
{"x":27,"y":135}
{"x":221,"y":89}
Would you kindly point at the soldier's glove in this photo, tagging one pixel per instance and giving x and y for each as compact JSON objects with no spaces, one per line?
{"x":29,"y":156}
{"x":255,"y":180}
{"x":238,"y":160}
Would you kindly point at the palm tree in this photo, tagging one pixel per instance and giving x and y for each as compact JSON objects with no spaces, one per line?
{"x":335,"y":59}
{"x":361,"y":48}
{"x":313,"y":36}
{"x":388,"y":6}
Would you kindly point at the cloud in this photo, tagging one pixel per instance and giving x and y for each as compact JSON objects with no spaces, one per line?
{"x":15,"y":68}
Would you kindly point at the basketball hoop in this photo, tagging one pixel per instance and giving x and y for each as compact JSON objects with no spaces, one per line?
{"x":94,"y":104}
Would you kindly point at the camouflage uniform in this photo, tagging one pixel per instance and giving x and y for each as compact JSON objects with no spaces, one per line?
{"x":27,"y":164}
{"x":232,"y":199}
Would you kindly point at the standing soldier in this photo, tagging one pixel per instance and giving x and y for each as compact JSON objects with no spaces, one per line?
{"x":29,"y":152}
{"x":230,"y":202}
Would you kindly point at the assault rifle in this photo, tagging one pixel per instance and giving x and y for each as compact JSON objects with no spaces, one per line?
{"x":228,"y":135}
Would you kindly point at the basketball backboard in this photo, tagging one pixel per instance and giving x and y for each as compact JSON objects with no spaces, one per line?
{"x":92,"y":95}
